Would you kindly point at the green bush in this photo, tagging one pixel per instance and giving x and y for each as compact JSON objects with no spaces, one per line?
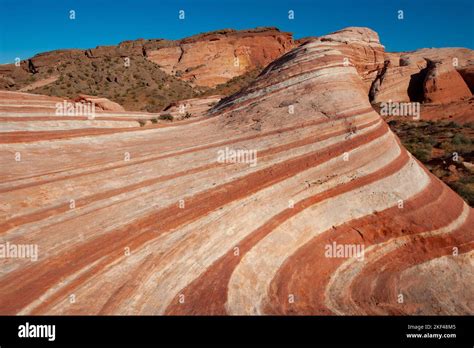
{"x":453,"y":124}
{"x":430,"y":140}
{"x":460,"y":139}
{"x":166,"y":117}
{"x":422,"y":153}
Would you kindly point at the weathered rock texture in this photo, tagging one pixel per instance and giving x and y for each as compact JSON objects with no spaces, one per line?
{"x":192,"y":107}
{"x":204,"y":60}
{"x":171,"y":229}
{"x":31,"y":117}
{"x":211,"y":59}
{"x":443,"y":84}
{"x":101,"y":103}
{"x":403,"y":77}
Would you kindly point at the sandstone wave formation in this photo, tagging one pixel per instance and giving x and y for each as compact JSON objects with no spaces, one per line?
{"x":148,"y":220}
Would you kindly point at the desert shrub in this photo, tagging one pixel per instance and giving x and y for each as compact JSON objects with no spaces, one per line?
{"x":166,"y":117}
{"x":431,"y":140}
{"x":421,"y":151}
{"x":422,"y":154}
{"x":453,"y":124}
{"x":466,"y":180}
{"x":392,"y":123}
{"x":460,"y":139}
{"x":142,"y":123}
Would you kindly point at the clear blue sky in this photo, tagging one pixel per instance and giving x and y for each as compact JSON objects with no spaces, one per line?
{"x":28,"y":27}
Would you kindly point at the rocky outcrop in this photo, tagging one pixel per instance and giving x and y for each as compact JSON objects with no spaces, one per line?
{"x":467,"y":73}
{"x":443,"y":84}
{"x":193,"y":107}
{"x":130,"y":48}
{"x":100,"y":103}
{"x":205,"y":60}
{"x":49,"y":60}
{"x":359,"y":47}
{"x":396,"y":83}
{"x":214,"y":58}
{"x":6,"y":82}
{"x":403,"y":77}
{"x":210,"y":59}
{"x":244,"y":212}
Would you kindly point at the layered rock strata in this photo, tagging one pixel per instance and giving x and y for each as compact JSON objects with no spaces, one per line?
{"x":184,"y":225}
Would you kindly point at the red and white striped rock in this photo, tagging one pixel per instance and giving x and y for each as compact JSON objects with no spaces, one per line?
{"x":192,"y":107}
{"x":29,"y":117}
{"x":149,"y":221}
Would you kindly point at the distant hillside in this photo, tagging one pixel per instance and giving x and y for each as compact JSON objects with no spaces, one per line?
{"x":148,"y":75}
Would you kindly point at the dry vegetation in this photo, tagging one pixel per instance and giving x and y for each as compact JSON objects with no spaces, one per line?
{"x":140,"y":86}
{"x":234,"y":85}
{"x":435,"y":144}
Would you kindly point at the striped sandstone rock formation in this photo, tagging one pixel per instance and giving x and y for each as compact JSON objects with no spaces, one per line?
{"x":192,"y":107}
{"x":174,"y":229}
{"x":29,"y":117}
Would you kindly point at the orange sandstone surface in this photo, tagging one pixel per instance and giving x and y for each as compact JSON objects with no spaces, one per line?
{"x":214,"y":58}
